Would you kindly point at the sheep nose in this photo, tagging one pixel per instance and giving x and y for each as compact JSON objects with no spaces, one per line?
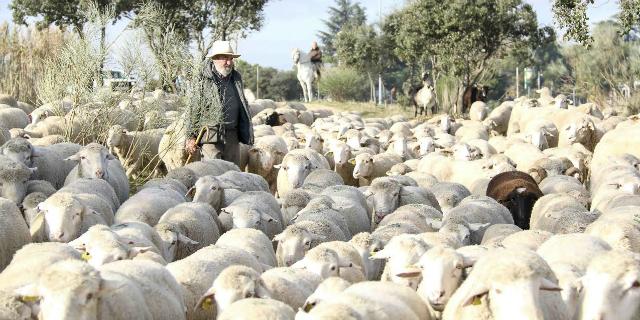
{"x":59,"y":236}
{"x":288,"y":263}
{"x":99,"y":173}
{"x":441,"y":294}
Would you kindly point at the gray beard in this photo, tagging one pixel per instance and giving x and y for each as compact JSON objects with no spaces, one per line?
{"x":224,"y":71}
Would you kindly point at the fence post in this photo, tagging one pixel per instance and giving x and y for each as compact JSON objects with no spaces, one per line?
{"x":517,"y":83}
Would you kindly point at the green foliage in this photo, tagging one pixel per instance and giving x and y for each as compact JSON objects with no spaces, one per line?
{"x":459,"y":39}
{"x":609,"y":63}
{"x":284,"y":85}
{"x":61,"y":13}
{"x":357,"y":47}
{"x":343,"y":83}
{"x":344,"y":13}
{"x":571,"y":15}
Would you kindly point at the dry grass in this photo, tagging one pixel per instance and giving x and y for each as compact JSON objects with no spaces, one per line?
{"x":367,"y":109}
{"x":22,"y":54}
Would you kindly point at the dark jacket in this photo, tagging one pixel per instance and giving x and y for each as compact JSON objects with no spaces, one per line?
{"x":315,"y":55}
{"x":245,"y":127}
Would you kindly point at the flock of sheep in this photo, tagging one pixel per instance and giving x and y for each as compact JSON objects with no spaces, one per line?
{"x":329,"y":216}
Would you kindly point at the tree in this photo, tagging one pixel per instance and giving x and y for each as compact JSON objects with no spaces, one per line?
{"x":571,"y":15}
{"x":458,"y":39}
{"x":344,"y":13}
{"x":62,"y":13}
{"x":358,"y":47}
{"x":222,"y":19}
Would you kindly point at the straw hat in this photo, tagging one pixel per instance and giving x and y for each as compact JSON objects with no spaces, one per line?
{"x":222,"y":48}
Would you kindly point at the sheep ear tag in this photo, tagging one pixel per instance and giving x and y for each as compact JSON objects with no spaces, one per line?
{"x":85,"y":256}
{"x":476,"y":301}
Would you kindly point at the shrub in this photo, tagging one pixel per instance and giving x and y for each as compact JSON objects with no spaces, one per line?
{"x":343,"y":84}
{"x":284,"y":86}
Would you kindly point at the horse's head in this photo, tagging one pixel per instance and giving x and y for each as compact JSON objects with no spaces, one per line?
{"x":296,"y":55}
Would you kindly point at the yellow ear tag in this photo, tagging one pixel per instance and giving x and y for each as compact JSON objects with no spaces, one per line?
{"x":207,"y":304}
{"x":476,"y":301}
{"x":30,"y":298}
{"x":85,"y":256}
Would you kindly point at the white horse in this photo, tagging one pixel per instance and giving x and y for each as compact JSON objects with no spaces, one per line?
{"x":306,"y":73}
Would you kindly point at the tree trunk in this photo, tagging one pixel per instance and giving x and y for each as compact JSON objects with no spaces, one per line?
{"x":372,"y":91}
{"x":103,"y":35}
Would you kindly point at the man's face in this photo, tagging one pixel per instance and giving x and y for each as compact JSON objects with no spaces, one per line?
{"x":223,"y":64}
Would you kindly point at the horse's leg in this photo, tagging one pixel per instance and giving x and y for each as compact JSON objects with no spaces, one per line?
{"x":310,"y":90}
{"x":304,"y":90}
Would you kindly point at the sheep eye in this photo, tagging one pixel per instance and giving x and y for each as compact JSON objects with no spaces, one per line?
{"x":458,"y":266}
{"x":89,"y":296}
{"x":82,"y":157}
{"x":635,"y":284}
{"x":306,"y":243}
{"x":173,"y":243}
{"x":333,"y":268}
{"x":248,"y":295}
{"x":375,"y":249}
{"x":120,"y":258}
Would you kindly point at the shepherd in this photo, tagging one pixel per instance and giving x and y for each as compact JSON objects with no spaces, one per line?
{"x":222,"y":140}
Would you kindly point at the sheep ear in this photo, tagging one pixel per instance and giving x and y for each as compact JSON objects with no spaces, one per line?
{"x":37,"y":225}
{"x":329,"y":154}
{"x":261,"y":289}
{"x":380,"y":255}
{"x":278,"y":237}
{"x":549,"y":285}
{"x":191,"y":192}
{"x":474,"y":297}
{"x":352,"y":161}
{"x":435,"y":224}
{"x":28,"y":293}
{"x":268,"y":218}
{"x":367,"y":193}
{"x":253,"y":150}
{"x":473,"y":227}
{"x":33,"y":170}
{"x":409,"y":272}
{"x":74,"y":157}
{"x":184,"y":239}
{"x":134,"y":251}
{"x":300,"y":264}
{"x":36,"y":152}
{"x":207,"y":301}
{"x":318,"y":237}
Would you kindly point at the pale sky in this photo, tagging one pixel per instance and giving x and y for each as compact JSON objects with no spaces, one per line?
{"x":295,"y":23}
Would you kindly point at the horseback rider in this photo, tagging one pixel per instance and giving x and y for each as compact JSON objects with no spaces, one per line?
{"x":315,"y":56}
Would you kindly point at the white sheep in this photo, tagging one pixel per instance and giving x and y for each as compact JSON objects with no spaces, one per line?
{"x":49,"y":164}
{"x":65,"y":216}
{"x":140,"y":289}
{"x":197,"y":272}
{"x":138,"y":150}
{"x":388,"y":195}
{"x":370,"y":300}
{"x":13,"y":118}
{"x":253,"y":209}
{"x":560,"y":213}
{"x":148,"y":205}
{"x":368,"y":167}
{"x":568,"y":255}
{"x":252,"y":241}
{"x":95,"y":162}
{"x":14,"y":232}
{"x":500,"y":275}
{"x":619,"y":227}
{"x":311,"y":226}
{"x":139,"y":234}
{"x":295,"y":167}
{"x":611,"y":287}
{"x":101,"y":245}
{"x":334,"y":258}
{"x":266,"y":152}
{"x":253,"y":308}
{"x":14,"y":177}
{"x":188,"y":227}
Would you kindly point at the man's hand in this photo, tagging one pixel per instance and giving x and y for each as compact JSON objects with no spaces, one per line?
{"x":191,"y":147}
